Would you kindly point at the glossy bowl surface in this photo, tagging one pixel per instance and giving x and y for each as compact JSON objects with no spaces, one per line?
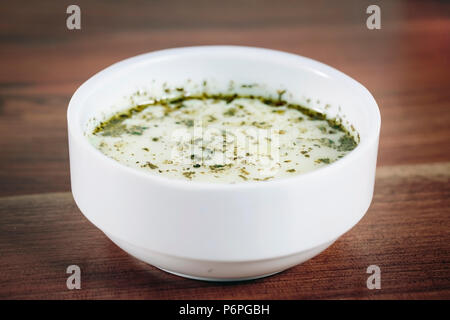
{"x":214,"y":231}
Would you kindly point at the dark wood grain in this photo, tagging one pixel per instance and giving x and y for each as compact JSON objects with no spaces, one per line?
{"x":405,"y":65}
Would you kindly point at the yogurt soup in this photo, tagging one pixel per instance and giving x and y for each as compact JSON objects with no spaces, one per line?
{"x":223,"y":138}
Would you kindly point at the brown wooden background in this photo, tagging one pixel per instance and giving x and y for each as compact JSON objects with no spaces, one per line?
{"x":405,"y":65}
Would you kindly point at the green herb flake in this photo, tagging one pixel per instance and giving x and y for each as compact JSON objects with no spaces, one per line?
{"x":323,"y":160}
{"x":150,"y":165}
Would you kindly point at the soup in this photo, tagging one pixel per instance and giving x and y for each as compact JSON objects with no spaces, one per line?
{"x":223,"y":138}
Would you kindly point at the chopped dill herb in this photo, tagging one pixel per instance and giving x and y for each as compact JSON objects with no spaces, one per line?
{"x":149,"y":165}
{"x":323,"y":160}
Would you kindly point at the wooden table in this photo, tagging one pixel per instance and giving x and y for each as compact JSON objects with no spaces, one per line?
{"x":406,"y":231}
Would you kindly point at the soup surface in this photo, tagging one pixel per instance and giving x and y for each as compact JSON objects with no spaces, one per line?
{"x":224,"y":139}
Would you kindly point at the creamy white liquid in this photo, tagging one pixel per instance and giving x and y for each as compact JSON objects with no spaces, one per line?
{"x":216,"y":140}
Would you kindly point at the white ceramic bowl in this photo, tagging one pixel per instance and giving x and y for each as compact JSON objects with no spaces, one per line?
{"x":224,"y":231}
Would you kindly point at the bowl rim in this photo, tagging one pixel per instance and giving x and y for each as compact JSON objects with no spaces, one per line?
{"x":75,"y":132}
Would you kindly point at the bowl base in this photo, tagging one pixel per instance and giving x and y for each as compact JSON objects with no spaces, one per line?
{"x":218,"y":271}
{"x":218,"y":279}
